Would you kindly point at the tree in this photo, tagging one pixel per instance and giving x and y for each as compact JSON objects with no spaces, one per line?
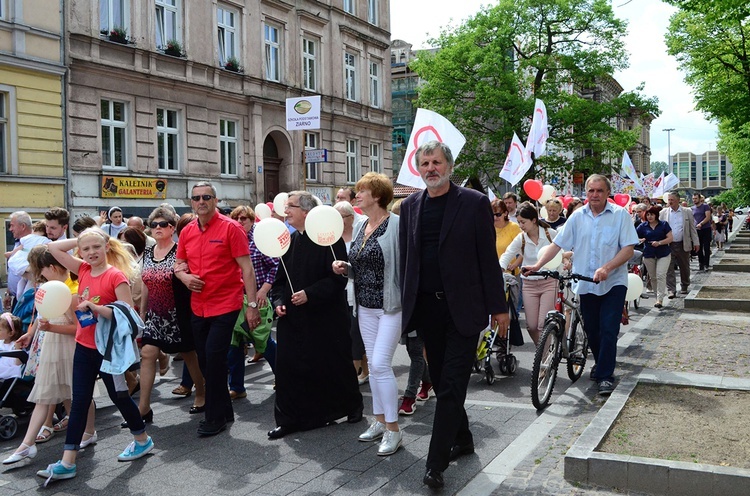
{"x":658,"y":167}
{"x":711,"y":41}
{"x":487,"y":73}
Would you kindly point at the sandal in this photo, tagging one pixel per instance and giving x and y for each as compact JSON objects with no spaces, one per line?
{"x":182,"y":391}
{"x":61,"y":425}
{"x":43,"y":437}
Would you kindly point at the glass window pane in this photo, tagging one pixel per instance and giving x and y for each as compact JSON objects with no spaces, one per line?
{"x":160,"y":117}
{"x":172,"y":119}
{"x":160,"y":147}
{"x":172,"y":151}
{"x":118,"y":111}
{"x":119,"y":147}
{"x":105,"y":109}
{"x":231,"y":131}
{"x":104,"y":15}
{"x":106,"y":149}
{"x":232,"y":158}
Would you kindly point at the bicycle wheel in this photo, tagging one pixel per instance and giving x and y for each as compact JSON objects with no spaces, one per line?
{"x":544,"y":370}
{"x":578,"y":349}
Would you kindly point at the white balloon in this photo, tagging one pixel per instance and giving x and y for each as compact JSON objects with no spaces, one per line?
{"x":635,"y":287}
{"x":548,"y":192}
{"x":272,"y":237}
{"x":665,"y":197}
{"x":556,"y":260}
{"x":543,"y":213}
{"x":262,"y":211}
{"x":52,"y":299}
{"x":279,"y":203}
{"x":324,"y":225}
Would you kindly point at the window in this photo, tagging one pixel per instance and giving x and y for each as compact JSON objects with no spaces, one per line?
{"x":167,"y":22}
{"x":114,"y":134}
{"x":352,"y":166}
{"x":3,"y":130}
{"x":112,"y":14}
{"x":226,"y":21}
{"x":349,"y":6}
{"x":375,"y":158}
{"x":273,"y":53}
{"x":228,"y":146}
{"x":311,"y":143}
{"x":167,"y":135}
{"x":309,"y":65}
{"x":372,"y":11}
{"x":350,"y":76}
{"x":375,"y":84}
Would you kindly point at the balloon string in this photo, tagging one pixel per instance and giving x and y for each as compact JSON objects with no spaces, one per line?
{"x":287,"y":274}
{"x":333,"y":252}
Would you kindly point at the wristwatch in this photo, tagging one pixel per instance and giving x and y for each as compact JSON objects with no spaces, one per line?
{"x":253,"y":304}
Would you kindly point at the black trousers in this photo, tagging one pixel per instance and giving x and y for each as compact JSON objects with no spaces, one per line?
{"x":450,"y":357}
{"x":213,"y":335}
{"x":704,"y":250}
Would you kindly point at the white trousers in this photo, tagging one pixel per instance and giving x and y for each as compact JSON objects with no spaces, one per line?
{"x":381,"y":332}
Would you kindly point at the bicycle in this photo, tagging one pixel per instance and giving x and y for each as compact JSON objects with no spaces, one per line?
{"x":559,"y":340}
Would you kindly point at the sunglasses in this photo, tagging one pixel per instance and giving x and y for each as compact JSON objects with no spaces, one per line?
{"x":202,"y":197}
{"x":161,"y":224}
{"x":499,"y":214}
{"x":242,"y":219}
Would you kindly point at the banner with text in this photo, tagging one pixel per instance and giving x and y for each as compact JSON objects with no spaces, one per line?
{"x":303,"y":113}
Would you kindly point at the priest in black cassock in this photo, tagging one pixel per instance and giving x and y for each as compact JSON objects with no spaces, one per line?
{"x":315,"y":381}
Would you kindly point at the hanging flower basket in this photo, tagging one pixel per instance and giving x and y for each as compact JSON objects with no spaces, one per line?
{"x":173,"y":48}
{"x":232,"y":64}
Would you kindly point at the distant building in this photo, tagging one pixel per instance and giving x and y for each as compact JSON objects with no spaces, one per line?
{"x":163,"y":93}
{"x":707,"y":173}
{"x":404,"y":83}
{"x":32,"y":175}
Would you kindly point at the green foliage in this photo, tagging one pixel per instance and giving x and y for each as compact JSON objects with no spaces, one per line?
{"x":711,"y":41}
{"x":658,"y":167}
{"x":488,"y":72}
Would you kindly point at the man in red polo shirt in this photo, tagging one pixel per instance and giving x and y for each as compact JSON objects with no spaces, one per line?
{"x":209,"y":245}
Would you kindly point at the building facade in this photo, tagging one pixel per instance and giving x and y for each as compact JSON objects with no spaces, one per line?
{"x":32,"y":177}
{"x":707,"y":173}
{"x":163,"y":93}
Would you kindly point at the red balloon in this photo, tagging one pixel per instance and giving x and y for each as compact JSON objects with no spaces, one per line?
{"x":534,"y":188}
{"x":610,"y":200}
{"x":358,"y":210}
{"x":566,"y":200}
{"x":622,"y":199}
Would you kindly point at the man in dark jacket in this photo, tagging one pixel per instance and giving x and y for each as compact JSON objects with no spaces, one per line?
{"x":451,"y":284}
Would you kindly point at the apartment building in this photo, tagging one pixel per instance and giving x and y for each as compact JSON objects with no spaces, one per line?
{"x":163,"y":93}
{"x":707,"y":173}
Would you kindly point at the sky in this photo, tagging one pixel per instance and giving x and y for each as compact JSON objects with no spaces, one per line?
{"x":415,"y":21}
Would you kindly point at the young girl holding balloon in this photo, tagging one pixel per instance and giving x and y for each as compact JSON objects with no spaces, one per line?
{"x":54,"y":376}
{"x":103,"y":274}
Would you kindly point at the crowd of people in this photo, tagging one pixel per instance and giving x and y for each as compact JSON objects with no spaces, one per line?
{"x":422,"y":272}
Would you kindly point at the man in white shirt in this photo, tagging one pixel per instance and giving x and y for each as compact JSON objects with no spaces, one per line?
{"x":601,"y":236}
{"x":685,"y":237}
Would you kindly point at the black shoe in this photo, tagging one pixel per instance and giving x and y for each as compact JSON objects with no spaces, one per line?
{"x":357,"y":415}
{"x":606,"y":388}
{"x":197,"y":409}
{"x":228,"y":419}
{"x":280,"y":431}
{"x":211,"y":428}
{"x":457,"y":451}
{"x":592,"y":374}
{"x":433,"y":478}
{"x":147,"y":419}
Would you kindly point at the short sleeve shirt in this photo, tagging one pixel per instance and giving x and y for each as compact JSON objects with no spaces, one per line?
{"x":99,"y":290}
{"x":595,"y":241}
{"x":699,"y":215}
{"x":651,"y":234}
{"x":210,"y":251}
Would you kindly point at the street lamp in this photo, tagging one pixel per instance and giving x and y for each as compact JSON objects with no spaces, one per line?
{"x":669,"y":148}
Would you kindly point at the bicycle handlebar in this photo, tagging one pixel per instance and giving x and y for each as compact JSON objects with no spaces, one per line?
{"x":561,"y":277}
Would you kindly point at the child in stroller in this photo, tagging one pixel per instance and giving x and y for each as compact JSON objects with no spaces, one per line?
{"x":14,"y":390}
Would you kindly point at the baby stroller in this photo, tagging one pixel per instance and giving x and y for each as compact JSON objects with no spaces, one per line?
{"x":507,"y":362}
{"x":14,"y":394}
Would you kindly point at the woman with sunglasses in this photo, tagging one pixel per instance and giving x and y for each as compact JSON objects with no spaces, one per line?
{"x":159,"y":313}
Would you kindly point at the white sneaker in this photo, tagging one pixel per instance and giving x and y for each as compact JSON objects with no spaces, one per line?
{"x":373,"y":433}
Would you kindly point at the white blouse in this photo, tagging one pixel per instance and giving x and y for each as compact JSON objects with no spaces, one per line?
{"x":531,"y":251}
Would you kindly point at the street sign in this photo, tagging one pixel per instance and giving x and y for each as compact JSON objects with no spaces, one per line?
{"x":316,"y":156}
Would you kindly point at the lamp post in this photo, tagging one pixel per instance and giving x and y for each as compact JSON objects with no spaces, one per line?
{"x":669,"y":148}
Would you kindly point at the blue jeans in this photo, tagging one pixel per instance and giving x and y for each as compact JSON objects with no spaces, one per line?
{"x":86,"y":364}
{"x":213,"y":335}
{"x":601,"y":318}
